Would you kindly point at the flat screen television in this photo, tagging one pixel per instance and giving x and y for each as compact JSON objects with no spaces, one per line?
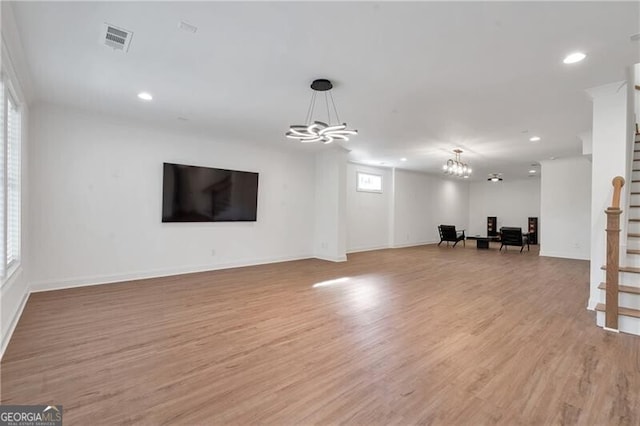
{"x":203,"y":194}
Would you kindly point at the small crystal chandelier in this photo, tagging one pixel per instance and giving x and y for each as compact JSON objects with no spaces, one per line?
{"x":319,"y":131}
{"x":456,"y":167}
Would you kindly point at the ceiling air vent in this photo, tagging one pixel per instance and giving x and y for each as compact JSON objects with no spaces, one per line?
{"x":185,"y":26}
{"x":117,"y":38}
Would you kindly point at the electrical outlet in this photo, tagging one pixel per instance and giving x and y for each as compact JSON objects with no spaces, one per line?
{"x":213,"y":252}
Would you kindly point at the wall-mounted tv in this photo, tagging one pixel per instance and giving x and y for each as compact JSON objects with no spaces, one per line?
{"x":203,"y":194}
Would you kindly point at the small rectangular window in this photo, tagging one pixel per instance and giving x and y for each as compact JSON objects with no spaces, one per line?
{"x":368,"y":182}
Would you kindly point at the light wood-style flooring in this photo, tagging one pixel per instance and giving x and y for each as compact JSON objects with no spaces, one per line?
{"x":422,"y":335}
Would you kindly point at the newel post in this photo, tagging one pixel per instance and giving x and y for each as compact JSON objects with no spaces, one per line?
{"x":613,"y":256}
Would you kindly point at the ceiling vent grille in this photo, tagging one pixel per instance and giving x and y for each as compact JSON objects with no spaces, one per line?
{"x":117,"y":38}
{"x":185,"y":26}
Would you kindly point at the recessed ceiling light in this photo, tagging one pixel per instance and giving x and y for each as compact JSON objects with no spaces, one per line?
{"x":534,"y":138}
{"x":403,"y":159}
{"x":574,"y":57}
{"x":532,"y":171}
{"x":145,"y":96}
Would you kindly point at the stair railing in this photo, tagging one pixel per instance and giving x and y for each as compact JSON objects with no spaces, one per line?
{"x":613,"y":256}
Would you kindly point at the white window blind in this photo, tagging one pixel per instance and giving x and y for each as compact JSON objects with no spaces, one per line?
{"x":3,"y":146}
{"x":14,"y":145}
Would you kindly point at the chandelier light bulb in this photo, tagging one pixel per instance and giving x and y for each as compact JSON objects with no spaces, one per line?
{"x":456,"y":167}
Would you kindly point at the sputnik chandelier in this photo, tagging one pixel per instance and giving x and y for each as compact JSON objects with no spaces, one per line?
{"x":319,"y":131}
{"x":456,"y":167}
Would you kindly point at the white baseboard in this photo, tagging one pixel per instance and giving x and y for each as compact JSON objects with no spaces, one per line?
{"x":564,"y":255}
{"x":332,"y":259}
{"x":363,"y":249}
{"x":419,"y":243}
{"x":61,"y":284}
{"x":14,"y":322}
{"x":395,"y":246}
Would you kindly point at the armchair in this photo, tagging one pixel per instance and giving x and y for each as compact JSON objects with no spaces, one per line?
{"x":510,"y":236}
{"x":448,"y":233}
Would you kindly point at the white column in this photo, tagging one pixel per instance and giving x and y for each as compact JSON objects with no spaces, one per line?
{"x":330,"y":234}
{"x":610,"y":157}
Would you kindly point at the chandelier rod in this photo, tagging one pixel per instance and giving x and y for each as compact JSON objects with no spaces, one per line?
{"x":326,"y":101}
{"x":334,"y":108}
{"x":312,"y":105}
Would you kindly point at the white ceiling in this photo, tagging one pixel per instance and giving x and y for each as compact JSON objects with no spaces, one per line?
{"x":416,"y":79}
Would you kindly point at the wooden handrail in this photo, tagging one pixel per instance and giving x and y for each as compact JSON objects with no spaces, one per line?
{"x":613,"y":256}
{"x":618,"y":183}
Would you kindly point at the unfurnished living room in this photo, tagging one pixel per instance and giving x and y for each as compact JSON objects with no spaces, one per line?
{"x":295,"y":213}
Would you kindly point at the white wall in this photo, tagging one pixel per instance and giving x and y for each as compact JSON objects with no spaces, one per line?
{"x":368,"y":213}
{"x":96,"y":202}
{"x":565,"y":205}
{"x":512,"y":202}
{"x":422,"y":202}
{"x":15,"y":290}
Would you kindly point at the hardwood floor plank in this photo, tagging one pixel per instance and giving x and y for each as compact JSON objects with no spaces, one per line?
{"x":427,"y":334}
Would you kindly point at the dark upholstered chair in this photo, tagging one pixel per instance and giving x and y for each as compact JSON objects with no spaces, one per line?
{"x":513,"y":237}
{"x":448,"y":233}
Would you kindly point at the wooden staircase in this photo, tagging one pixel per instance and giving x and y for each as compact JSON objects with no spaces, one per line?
{"x":623,"y":300}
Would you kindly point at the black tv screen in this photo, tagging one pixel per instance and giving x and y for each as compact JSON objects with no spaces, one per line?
{"x":203,"y":194}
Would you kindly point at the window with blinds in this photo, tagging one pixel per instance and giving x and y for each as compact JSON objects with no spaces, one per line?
{"x":14,"y":130}
{"x":3,"y":145}
{"x":10,"y":176}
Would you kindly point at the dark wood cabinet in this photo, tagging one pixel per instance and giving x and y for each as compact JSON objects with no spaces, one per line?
{"x":492,"y":226}
{"x":532,"y":229}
